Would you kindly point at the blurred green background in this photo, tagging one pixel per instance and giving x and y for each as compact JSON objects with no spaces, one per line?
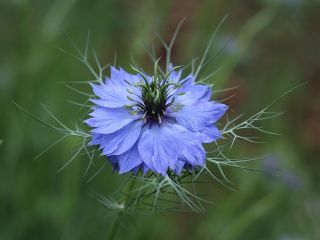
{"x":266,"y":48}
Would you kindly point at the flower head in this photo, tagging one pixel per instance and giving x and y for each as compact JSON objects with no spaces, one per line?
{"x":156,"y":123}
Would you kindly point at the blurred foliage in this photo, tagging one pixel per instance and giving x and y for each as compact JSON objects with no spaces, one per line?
{"x":266,"y":48}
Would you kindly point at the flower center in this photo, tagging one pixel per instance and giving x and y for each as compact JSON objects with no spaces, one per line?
{"x":156,"y":96}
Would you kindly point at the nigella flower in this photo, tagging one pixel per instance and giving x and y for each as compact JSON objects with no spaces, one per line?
{"x":156,"y":123}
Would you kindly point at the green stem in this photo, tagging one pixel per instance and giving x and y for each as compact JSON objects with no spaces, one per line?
{"x":114,"y":229}
{"x":115,"y":224}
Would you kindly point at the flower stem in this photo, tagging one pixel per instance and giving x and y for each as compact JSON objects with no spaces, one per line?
{"x":115,"y":224}
{"x":114,"y":229}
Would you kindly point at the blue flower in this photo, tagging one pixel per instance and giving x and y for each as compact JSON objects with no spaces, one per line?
{"x":156,"y":123}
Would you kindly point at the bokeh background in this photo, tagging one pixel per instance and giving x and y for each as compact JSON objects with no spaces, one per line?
{"x":266,"y":48}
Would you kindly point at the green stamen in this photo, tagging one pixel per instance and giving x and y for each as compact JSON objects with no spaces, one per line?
{"x":155,"y":94}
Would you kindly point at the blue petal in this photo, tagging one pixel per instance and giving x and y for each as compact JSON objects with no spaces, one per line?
{"x":123,"y":77}
{"x":144,"y":168}
{"x":210,"y":133}
{"x":193,"y":94}
{"x":174,"y":75}
{"x":129,"y":160}
{"x":109,"y":120}
{"x":158,"y":148}
{"x":198,"y":116}
{"x":170,"y":146}
{"x":120,"y":141}
{"x":190,"y":93}
{"x":114,"y":92}
{"x":113,"y":95}
{"x":190,"y":147}
{"x":114,"y":162}
{"x":179,"y":166}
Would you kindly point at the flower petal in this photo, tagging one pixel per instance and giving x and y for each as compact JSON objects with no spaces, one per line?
{"x":112,"y":95}
{"x":175,"y":75}
{"x":122,"y":77}
{"x":158,"y":148}
{"x":129,"y":160}
{"x":198,"y":116}
{"x":115,"y":90}
{"x":109,"y":120}
{"x":190,"y":146}
{"x":193,"y":93}
{"x":120,"y":141}
{"x":210,"y":133}
{"x":179,"y":166}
